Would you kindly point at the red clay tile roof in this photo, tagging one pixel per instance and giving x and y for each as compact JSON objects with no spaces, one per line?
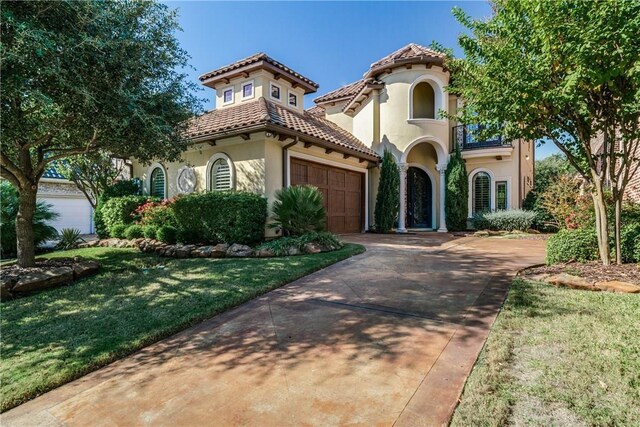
{"x":252,"y":60}
{"x":407,"y":54}
{"x":345,"y":92}
{"x":264,"y":113}
{"x":317,"y":111}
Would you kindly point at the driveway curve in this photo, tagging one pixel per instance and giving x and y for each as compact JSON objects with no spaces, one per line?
{"x":384,"y":338}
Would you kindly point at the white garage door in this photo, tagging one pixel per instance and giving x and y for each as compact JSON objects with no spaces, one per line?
{"x":74,"y":212}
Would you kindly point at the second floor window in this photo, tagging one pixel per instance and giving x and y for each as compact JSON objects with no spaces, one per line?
{"x":423,"y":101}
{"x":293,"y":99}
{"x":247,"y":90}
{"x":227,"y":96}
{"x":275,"y":92}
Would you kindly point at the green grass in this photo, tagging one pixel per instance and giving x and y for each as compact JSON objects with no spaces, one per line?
{"x":56,"y":336}
{"x":557,"y":357}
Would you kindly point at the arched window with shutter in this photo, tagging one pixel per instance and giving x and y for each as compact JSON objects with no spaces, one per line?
{"x":481,"y":192}
{"x":157,"y":183}
{"x":220,"y":173}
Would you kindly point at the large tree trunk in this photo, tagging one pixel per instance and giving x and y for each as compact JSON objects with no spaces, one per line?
{"x":24,"y":227}
{"x":602,"y":223}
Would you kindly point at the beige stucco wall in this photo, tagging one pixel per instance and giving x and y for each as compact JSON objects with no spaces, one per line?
{"x":335,"y":114}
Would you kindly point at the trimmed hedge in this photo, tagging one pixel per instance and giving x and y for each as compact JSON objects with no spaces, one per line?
{"x":150,"y":231}
{"x":118,"y":230}
{"x":167,"y":234}
{"x":133,"y":232}
{"x":572,"y":245}
{"x":510,"y":220}
{"x":221,"y":217}
{"x":119,"y":210}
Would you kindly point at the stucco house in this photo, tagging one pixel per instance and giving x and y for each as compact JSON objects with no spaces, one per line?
{"x":260,"y":138}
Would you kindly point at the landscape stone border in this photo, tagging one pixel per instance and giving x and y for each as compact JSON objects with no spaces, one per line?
{"x":221,"y":250}
{"x":46,"y":274}
{"x":576,"y":282}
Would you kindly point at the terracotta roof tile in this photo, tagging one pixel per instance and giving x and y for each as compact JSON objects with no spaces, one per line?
{"x":263,"y":112}
{"x":253,"y":59}
{"x":343,"y":92}
{"x":317,"y":111}
{"x":405,"y":54}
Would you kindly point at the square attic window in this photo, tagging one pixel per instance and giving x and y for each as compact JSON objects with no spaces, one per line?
{"x":227,"y":96}
{"x":275,"y":92}
{"x":247,"y":90}
{"x":293,"y":99}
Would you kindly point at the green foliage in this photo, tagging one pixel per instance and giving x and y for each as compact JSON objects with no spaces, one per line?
{"x":134,"y":231}
{"x":298,"y":210}
{"x":121,"y":188}
{"x":150,"y":231}
{"x":156,"y":213}
{"x":69,"y":239}
{"x":167,"y":234}
{"x":283,"y":245}
{"x":579,"y":245}
{"x":629,"y":240}
{"x":118,"y":231}
{"x":121,"y":210}
{"x":9,"y":201}
{"x":388,"y":198}
{"x":457,"y":192}
{"x":220,"y":216}
{"x":511,"y":220}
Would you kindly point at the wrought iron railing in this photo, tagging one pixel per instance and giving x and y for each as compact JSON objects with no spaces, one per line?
{"x":466,"y":137}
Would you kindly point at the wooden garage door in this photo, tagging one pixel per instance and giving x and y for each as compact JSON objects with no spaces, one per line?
{"x":343,"y":192}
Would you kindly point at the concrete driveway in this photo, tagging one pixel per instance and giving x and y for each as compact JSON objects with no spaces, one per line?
{"x":384,"y":338}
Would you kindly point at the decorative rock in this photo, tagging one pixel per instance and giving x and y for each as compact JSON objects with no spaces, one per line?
{"x":312,"y":248}
{"x":37,"y":280}
{"x":184,"y":251}
{"x":293,"y":251}
{"x":202,"y":252}
{"x":85,"y":268}
{"x":237,"y":250}
{"x":573,"y":282}
{"x":264,"y":253}
{"x":618,"y":286}
{"x":219,"y":251}
{"x":6,"y":285}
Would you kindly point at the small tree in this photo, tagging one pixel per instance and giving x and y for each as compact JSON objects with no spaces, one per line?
{"x":457,"y":197}
{"x":388,"y":199}
{"x":299,"y":209}
{"x":82,"y":77}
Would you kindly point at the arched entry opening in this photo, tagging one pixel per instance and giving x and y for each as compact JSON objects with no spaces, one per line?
{"x":420,"y":201}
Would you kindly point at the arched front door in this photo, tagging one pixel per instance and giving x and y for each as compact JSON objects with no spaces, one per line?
{"x":419,"y":199}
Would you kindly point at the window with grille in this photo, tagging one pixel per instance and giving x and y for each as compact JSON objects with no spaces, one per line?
{"x":220,"y":175}
{"x":481,"y":192}
{"x":501,"y":195}
{"x":157,"y":183}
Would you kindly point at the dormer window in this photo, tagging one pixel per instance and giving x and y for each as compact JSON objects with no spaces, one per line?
{"x":247,"y":90}
{"x":275,"y":92}
{"x":293,"y":99}
{"x":227,"y":96}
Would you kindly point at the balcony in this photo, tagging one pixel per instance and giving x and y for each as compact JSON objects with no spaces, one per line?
{"x":465,"y":137}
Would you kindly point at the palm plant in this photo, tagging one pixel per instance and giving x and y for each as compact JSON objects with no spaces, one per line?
{"x":8,"y":213}
{"x":69,"y":238}
{"x":299,"y":210}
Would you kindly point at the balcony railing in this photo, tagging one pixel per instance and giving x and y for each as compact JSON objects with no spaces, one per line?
{"x":465,"y":137}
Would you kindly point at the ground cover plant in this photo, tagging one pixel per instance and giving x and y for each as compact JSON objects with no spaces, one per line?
{"x":55,"y":336}
{"x":557,"y":357}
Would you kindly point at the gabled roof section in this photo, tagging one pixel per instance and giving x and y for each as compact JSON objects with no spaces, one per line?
{"x":317,"y":111}
{"x":257,"y":62}
{"x":410,"y":54}
{"x":342,"y":93}
{"x":266,"y":115}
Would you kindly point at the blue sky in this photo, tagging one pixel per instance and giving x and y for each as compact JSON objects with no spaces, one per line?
{"x":332,"y":43}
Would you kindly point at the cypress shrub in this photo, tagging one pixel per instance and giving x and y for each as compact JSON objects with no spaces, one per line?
{"x":457,"y":193}
{"x":388,"y":199}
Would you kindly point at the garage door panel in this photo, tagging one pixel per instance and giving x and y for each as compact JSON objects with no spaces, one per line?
{"x":72,"y":213}
{"x":342,"y":191}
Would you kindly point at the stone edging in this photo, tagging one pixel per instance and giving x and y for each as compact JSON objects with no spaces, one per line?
{"x":221,"y":250}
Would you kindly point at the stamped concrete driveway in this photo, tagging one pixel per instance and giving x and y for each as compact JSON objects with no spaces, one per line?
{"x":384,"y":338}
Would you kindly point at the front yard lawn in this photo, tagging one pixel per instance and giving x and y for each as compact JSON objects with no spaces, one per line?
{"x":58,"y":335}
{"x":557,"y":357}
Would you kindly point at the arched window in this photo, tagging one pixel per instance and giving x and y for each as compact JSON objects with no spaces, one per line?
{"x":157,"y":183}
{"x":481,"y":192}
{"x":220,"y":177}
{"x":424,"y":101}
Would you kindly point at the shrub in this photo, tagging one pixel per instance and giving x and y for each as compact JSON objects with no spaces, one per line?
{"x":118,"y":230}
{"x":134,"y":231}
{"x":119,"y":189}
{"x":629,"y":239}
{"x":457,"y":194}
{"x":565,"y":204}
{"x":282,"y":245}
{"x":636,"y":251}
{"x":510,"y":220}
{"x":221,"y":216}
{"x":69,"y":238}
{"x":9,"y":202}
{"x":167,"y":234}
{"x":572,"y":245}
{"x":388,"y":198}
{"x":121,"y":210}
{"x":156,"y":213}
{"x":150,"y":231}
{"x":299,"y":209}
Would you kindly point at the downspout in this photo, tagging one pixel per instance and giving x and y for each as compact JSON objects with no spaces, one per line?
{"x":285,"y":169}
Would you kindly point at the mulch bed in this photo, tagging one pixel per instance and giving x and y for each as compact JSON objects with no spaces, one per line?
{"x":13,"y":271}
{"x":590,"y":271}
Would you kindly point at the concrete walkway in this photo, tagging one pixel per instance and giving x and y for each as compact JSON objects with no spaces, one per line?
{"x":384,"y":338}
